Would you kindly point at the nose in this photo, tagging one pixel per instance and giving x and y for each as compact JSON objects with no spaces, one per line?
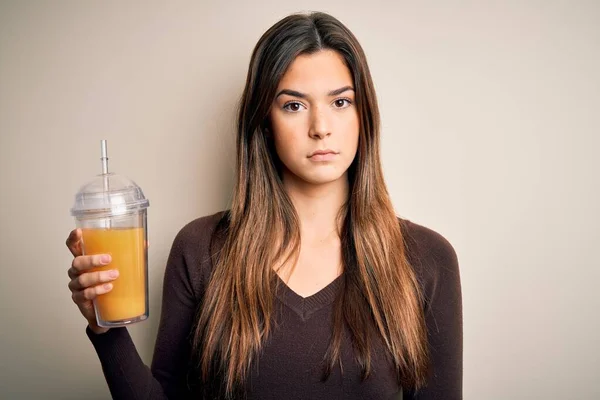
{"x":319,"y":126}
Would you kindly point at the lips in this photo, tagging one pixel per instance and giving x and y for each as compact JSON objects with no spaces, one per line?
{"x":322,"y":152}
{"x":323,"y":155}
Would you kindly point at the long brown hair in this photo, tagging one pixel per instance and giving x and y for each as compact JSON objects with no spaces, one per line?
{"x":379,"y":296}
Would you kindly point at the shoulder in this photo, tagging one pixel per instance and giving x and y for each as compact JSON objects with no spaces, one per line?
{"x":425,"y":244}
{"x":432,"y":257}
{"x":192,"y":249}
{"x":199,"y":231}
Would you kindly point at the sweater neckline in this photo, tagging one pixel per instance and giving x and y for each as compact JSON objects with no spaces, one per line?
{"x":305,"y":307}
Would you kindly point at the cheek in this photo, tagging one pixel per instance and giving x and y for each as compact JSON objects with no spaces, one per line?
{"x":285,"y":146}
{"x":288,"y":134}
{"x":351,"y":128}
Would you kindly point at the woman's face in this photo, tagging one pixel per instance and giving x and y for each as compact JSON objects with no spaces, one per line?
{"x":314,"y":120}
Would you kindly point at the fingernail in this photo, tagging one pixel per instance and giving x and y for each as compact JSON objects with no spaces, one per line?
{"x":108,"y":286}
{"x":113,"y":273}
{"x":105,"y":259}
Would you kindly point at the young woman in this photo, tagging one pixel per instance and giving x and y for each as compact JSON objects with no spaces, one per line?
{"x":310,"y":286}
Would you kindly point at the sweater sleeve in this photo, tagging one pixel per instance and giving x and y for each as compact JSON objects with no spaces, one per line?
{"x":438,"y":270}
{"x":126,"y":374}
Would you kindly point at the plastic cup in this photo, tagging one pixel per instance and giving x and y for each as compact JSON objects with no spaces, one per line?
{"x":111,"y":211}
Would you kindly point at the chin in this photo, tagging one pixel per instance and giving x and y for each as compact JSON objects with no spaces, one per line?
{"x":315,"y":176}
{"x":322,"y":178}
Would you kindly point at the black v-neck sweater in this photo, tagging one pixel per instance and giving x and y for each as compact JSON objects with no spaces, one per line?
{"x":290,"y":364}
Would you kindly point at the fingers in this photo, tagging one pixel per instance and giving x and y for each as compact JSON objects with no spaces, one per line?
{"x":82,"y":264}
{"x":91,"y":279}
{"x":74,"y":242}
{"x":81,"y":296}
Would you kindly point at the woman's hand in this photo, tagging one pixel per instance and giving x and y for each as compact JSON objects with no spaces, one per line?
{"x":85,"y":284}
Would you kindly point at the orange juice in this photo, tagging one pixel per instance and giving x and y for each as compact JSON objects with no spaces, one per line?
{"x":126,"y":246}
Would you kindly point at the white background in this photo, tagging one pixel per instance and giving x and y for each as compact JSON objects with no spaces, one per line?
{"x":491,"y":122}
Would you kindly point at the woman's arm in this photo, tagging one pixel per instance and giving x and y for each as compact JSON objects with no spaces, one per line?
{"x":127,"y":376}
{"x":437,"y":267}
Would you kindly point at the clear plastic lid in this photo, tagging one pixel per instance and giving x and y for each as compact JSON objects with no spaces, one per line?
{"x":108,"y":195}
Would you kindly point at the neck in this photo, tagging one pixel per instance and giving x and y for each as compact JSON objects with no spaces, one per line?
{"x":318,"y":207}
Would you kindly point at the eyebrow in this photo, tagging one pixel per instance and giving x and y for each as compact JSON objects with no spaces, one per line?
{"x":301,"y":95}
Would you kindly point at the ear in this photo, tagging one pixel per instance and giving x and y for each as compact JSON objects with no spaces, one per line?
{"x":266,"y":128}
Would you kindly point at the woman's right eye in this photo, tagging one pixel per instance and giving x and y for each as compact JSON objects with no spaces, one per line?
{"x":293,"y":106}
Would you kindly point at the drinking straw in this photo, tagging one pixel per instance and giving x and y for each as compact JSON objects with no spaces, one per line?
{"x":104,"y":160}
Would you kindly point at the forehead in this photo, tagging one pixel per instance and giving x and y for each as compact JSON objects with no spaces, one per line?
{"x":315,"y":73}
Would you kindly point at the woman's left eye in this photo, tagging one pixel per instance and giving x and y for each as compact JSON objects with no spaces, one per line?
{"x":342,"y":103}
